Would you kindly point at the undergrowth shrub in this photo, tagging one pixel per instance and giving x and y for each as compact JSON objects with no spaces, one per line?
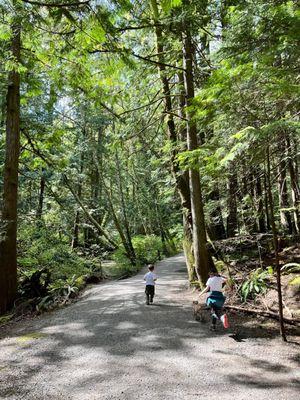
{"x":255,"y":284}
{"x":148,"y":249}
{"x":48,"y":270}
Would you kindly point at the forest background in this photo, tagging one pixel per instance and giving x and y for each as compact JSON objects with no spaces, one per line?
{"x":133,"y":129}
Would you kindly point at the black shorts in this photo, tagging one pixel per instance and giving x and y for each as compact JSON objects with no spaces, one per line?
{"x":150,"y":290}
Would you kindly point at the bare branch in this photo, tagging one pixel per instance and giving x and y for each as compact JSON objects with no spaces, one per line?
{"x":37,"y":3}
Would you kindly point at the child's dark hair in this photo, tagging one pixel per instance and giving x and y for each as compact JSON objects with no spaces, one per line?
{"x":214,"y":272}
{"x":151,"y":267}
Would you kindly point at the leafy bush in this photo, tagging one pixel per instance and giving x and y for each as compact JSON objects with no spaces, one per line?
{"x":49,"y":271}
{"x":40,"y":248}
{"x":148,"y":249}
{"x":255,"y":284}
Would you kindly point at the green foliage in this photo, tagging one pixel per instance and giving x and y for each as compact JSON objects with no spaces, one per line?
{"x":291,"y":268}
{"x":121,"y":259}
{"x":49,"y":271}
{"x":295,"y":282}
{"x":148,"y":249}
{"x":6,"y":318}
{"x":168,"y":5}
{"x":44,"y":249}
{"x":255,"y":284}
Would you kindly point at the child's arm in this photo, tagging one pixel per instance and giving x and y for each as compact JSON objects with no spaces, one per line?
{"x":224,"y":280}
{"x":204,"y":291}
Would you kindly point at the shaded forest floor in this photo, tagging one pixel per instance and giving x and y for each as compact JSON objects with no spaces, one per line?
{"x":247,"y":259}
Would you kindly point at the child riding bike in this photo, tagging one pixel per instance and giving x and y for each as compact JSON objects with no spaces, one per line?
{"x":216,"y":299}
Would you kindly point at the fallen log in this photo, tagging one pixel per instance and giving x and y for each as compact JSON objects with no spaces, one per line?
{"x":270,"y":314}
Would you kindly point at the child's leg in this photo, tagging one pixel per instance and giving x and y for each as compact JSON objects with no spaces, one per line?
{"x":152,"y":294}
{"x":147,"y":295}
{"x":218,"y":312}
{"x":215,"y":315}
{"x":213,"y":318}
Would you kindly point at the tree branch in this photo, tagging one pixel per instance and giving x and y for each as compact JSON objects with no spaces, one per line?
{"x":292,"y":321}
{"x":133,"y":28}
{"x":59,"y":5}
{"x":156,"y":62}
{"x":136,"y":56}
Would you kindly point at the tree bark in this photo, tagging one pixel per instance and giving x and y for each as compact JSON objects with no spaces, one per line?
{"x":184,"y":190}
{"x":216,"y":226}
{"x":39,"y":212}
{"x":294,"y":185}
{"x":75,"y":238}
{"x":292,"y":321}
{"x":285,"y":217}
{"x":275,"y":240}
{"x":232,"y":220}
{"x":181,"y":178}
{"x":259,"y":203}
{"x":130,"y":247}
{"x":266,"y":201}
{"x":203,"y":260}
{"x":8,"y":232}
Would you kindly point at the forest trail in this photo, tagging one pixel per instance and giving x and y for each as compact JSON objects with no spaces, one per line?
{"x":110,"y":345}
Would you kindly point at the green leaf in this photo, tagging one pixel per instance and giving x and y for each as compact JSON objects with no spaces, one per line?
{"x":167,"y":5}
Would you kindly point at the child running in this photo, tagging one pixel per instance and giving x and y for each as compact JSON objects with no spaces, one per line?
{"x":150,"y":279}
{"x":216,"y":299}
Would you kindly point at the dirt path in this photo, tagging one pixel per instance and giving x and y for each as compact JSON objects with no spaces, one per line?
{"x":110,"y":345}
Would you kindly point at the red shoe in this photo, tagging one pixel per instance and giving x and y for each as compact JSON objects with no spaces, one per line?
{"x":225,"y":321}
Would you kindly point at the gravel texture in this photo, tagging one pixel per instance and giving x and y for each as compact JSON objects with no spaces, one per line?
{"x":110,"y":345}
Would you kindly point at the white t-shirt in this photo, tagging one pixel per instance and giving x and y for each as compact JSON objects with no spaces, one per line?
{"x":149,"y":278}
{"x":215,"y":283}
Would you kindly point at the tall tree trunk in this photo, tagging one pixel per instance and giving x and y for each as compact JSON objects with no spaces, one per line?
{"x":266,"y":201}
{"x":294,"y":184}
{"x":232,"y":220}
{"x":124,"y":212}
{"x":8,"y":232}
{"x":75,"y":238}
{"x":184,"y":190}
{"x":285,"y":217}
{"x":181,"y":180}
{"x":275,"y":240}
{"x":259,"y":203}
{"x":203,"y":260}
{"x":216,"y":227}
{"x":39,"y":211}
{"x":97,"y":187}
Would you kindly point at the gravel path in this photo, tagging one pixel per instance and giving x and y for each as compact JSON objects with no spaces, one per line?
{"x":110,"y":345}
